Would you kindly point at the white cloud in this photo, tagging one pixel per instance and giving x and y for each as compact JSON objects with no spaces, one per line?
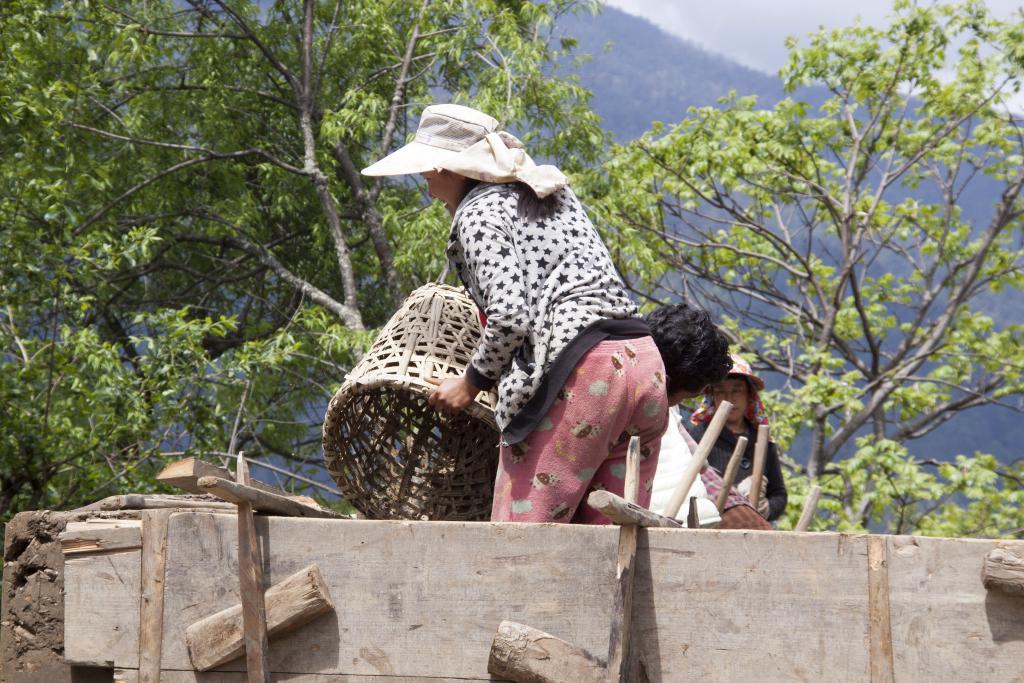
{"x":753,"y":32}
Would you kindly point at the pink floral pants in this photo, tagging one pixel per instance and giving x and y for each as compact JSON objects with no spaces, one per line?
{"x":617,"y":391}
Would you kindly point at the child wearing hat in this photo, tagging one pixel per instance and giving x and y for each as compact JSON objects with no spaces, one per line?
{"x":741,"y":388}
{"x":575,"y":370}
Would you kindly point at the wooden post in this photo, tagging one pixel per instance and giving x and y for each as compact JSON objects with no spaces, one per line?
{"x":698,"y":459}
{"x":250,"y":578}
{"x":692,"y":517}
{"x":730,"y":472}
{"x":809,"y":508}
{"x":622,"y":612}
{"x":760,"y":452}
{"x":879,"y":614}
{"x":151,"y":606}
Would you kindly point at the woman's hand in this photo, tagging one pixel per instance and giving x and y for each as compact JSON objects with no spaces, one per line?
{"x":452,"y":395}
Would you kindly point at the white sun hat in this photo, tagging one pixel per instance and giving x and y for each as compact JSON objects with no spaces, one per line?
{"x":444,"y":131}
{"x":467,"y":142}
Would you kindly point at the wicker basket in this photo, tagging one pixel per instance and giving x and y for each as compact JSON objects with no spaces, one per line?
{"x":392,"y":455}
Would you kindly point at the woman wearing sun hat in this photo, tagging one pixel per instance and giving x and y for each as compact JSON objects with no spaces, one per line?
{"x":741,"y":388}
{"x":575,"y":369}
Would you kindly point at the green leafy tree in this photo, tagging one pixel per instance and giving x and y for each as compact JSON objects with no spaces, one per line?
{"x":860,"y":250}
{"x":184,"y":215}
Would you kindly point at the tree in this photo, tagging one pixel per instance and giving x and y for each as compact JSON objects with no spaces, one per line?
{"x":859,"y":250}
{"x":184,"y":214}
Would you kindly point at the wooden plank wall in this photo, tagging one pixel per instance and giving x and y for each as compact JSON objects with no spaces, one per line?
{"x":421,"y":601}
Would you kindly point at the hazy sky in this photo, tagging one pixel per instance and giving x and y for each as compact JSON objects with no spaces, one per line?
{"x":752,"y":32}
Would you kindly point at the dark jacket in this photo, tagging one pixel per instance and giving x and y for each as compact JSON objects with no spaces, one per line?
{"x":722,"y":451}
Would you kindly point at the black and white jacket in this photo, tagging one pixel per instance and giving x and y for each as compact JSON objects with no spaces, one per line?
{"x":540,"y":283}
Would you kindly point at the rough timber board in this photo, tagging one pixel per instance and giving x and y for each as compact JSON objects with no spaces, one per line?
{"x":751,"y":605}
{"x":945,"y":625}
{"x":412,"y":598}
{"x":101,"y":608}
{"x":132,"y":676}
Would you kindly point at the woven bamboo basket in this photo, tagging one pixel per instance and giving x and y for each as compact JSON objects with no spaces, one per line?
{"x":392,"y":455}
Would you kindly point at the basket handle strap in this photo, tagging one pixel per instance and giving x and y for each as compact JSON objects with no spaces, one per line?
{"x":444,"y":273}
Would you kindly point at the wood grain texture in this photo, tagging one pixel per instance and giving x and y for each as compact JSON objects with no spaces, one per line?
{"x":527,"y":655}
{"x":151,"y":605}
{"x":618,"y":511}
{"x":290,"y":604}
{"x":170,"y":676}
{"x":108,"y":536}
{"x":879,"y":619}
{"x":946,"y":627}
{"x":421,"y":600}
{"x":698,"y":459}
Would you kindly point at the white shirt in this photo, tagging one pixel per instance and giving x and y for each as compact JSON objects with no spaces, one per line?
{"x":672,"y":463}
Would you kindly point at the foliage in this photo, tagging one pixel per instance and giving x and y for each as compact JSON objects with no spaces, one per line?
{"x":183,"y":213}
{"x":835,"y":244}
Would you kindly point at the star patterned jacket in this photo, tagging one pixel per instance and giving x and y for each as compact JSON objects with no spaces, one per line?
{"x":539,"y":283}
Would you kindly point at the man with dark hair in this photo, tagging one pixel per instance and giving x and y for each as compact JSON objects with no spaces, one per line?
{"x":696,"y":356}
{"x":695,"y":352}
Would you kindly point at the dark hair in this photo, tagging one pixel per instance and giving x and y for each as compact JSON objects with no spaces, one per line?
{"x":532,"y":207}
{"x":694,"y":350}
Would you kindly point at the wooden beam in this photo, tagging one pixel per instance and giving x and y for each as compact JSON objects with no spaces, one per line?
{"x":151,"y":605}
{"x":760,"y":453}
{"x":264,"y":501}
{"x":291,"y":603}
{"x":730,"y":473}
{"x":619,"y":511}
{"x":94,"y":538}
{"x":250,"y":579}
{"x":809,"y":508}
{"x":185,"y":474}
{"x":625,"y":569}
{"x":698,"y":460}
{"x":527,"y":655}
{"x":1003,"y":570}
{"x":140,"y":501}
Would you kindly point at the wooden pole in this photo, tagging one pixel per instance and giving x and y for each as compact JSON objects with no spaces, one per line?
{"x":250,"y":578}
{"x":264,"y":501}
{"x":622,"y":612}
{"x":760,"y":451}
{"x":698,"y":459}
{"x":809,"y":508}
{"x":730,"y":472}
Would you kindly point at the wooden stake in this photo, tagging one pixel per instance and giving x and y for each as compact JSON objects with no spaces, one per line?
{"x":809,"y":508}
{"x":622,"y":612}
{"x":698,"y":460}
{"x":250,"y":577}
{"x":760,"y":451}
{"x":730,"y":472}
{"x":692,"y":517}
